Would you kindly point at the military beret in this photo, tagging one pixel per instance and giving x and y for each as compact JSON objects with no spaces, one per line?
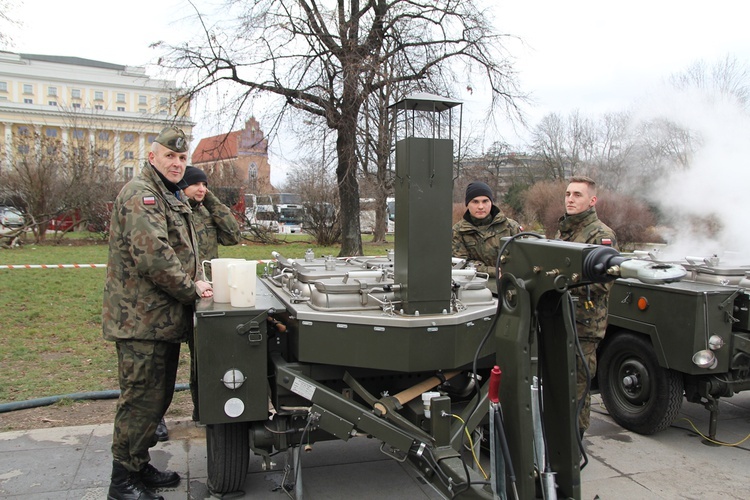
{"x":173,"y":138}
{"x":194,"y":175}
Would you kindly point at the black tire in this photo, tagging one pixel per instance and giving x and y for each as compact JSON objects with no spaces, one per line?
{"x":639,"y":394}
{"x":228,"y":455}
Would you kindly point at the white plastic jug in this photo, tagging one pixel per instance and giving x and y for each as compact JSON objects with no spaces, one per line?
{"x":242,"y":283}
{"x":220,"y":277}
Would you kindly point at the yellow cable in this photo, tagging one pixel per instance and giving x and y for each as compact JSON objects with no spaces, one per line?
{"x":471,"y":444}
{"x":711,"y":440}
{"x":720,"y":443}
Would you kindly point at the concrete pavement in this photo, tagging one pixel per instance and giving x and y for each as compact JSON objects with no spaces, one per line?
{"x":75,"y":463}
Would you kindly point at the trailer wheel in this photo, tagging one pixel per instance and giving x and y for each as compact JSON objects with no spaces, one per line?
{"x":639,"y":394}
{"x":228,"y":451}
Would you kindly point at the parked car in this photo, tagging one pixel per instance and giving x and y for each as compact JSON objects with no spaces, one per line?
{"x":11,"y":217}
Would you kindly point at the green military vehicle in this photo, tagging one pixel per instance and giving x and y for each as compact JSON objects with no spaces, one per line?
{"x":402,"y":348}
{"x":665,"y":343}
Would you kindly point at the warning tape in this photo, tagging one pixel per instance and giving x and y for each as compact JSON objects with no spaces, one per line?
{"x":79,"y":266}
{"x":52,"y":266}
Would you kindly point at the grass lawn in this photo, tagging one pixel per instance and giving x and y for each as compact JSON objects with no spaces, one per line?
{"x":50,"y":319}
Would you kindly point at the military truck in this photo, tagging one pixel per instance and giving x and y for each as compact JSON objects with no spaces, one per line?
{"x":666,"y":343}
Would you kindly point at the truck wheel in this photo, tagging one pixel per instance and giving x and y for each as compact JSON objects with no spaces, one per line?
{"x":228,"y":451}
{"x":639,"y":394}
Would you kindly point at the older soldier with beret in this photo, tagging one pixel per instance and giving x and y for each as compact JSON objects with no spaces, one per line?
{"x":581,"y":224}
{"x":476,"y":237}
{"x":151,"y":286}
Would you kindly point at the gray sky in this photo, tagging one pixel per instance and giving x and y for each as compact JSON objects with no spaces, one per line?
{"x":591,"y":55}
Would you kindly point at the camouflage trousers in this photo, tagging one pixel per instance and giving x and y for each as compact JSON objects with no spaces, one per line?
{"x":147,"y":372}
{"x":588,"y":346}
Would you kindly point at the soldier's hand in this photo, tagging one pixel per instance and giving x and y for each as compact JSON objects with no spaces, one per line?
{"x":204,"y":288}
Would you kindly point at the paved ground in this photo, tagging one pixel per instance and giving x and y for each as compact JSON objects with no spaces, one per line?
{"x":75,"y":463}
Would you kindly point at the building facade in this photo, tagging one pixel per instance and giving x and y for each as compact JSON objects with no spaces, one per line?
{"x":238,"y":159}
{"x":101,"y":110}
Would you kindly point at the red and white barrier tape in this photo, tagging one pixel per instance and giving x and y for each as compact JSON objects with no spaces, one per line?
{"x":78,"y":266}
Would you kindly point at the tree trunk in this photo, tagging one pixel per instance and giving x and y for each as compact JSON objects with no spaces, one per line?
{"x":346,"y":174}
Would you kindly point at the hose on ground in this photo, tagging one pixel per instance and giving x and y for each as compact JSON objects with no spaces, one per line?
{"x":78,"y":396}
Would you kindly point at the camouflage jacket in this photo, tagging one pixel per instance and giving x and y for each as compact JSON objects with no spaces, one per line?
{"x":214,"y":224}
{"x":479,"y":244}
{"x":592,"y":300}
{"x":150,"y":289}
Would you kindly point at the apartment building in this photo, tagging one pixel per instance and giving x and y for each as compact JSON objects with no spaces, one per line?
{"x":106,"y":111}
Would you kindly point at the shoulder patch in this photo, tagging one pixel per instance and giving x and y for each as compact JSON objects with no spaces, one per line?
{"x":607,"y":242}
{"x":149,"y":200}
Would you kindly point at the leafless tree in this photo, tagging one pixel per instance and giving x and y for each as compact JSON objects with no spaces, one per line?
{"x":325,"y":59}
{"x":728,"y":77}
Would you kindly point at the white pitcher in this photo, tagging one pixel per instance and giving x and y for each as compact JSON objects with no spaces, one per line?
{"x":220,"y":277}
{"x":242,"y":283}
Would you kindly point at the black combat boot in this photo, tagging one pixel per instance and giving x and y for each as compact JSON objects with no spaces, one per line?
{"x":154,"y":478}
{"x":162,"y":433}
{"x":127,"y":485}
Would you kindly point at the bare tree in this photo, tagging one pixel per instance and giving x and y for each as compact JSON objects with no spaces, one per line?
{"x":727,"y":77}
{"x":325,"y":59}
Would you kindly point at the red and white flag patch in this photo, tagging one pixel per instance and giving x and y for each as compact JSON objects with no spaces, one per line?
{"x":607,"y":241}
{"x":149,"y":200}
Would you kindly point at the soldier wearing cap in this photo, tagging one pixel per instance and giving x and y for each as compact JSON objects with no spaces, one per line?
{"x":581,"y":224}
{"x":214,"y":225}
{"x":476,"y":237}
{"x":151,"y":286}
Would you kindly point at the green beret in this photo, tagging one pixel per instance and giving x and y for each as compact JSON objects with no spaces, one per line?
{"x":173,"y":138}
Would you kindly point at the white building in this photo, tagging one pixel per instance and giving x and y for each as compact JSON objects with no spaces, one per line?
{"x":112,"y":111}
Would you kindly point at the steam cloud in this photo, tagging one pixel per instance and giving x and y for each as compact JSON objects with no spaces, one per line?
{"x":715,"y":186}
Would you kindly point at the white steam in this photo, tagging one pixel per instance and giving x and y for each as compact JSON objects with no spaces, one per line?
{"x":717,"y":182}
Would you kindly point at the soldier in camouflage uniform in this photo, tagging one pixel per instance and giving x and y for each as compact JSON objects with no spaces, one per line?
{"x":214,"y":224}
{"x":151,"y":286}
{"x":476,"y":237}
{"x":581,"y":224}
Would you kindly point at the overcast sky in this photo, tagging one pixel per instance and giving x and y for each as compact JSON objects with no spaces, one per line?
{"x":591,"y":55}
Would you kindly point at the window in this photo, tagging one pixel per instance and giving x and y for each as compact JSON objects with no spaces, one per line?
{"x":28,"y":101}
{"x":163,"y":101}
{"x":128,"y":137}
{"x":102,"y":153}
{"x":128,"y":155}
{"x":23,"y":131}
{"x":76,"y":105}
{"x":142,"y":99}
{"x":23,"y":149}
{"x":75,"y":93}
{"x":163,"y":112}
{"x":52,"y":103}
{"x":78,"y":134}
{"x":3,"y":86}
{"x":150,"y":138}
{"x":98,"y":95}
{"x":120,"y":97}
{"x":120,"y":108}
{"x":52,"y":91}
{"x":51,"y":150}
{"x":142,"y":111}
{"x":98,"y":107}
{"x":51,"y":132}
{"x":103,"y":136}
{"x":28,"y":88}
{"x":128,"y":171}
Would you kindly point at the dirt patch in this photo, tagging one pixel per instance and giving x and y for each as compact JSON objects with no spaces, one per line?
{"x":66,"y":414}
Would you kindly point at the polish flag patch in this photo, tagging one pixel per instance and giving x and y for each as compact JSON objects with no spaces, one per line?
{"x":149,"y":200}
{"x":607,"y":241}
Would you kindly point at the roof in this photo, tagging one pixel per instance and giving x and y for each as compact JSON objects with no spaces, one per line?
{"x":77,"y":61}
{"x":216,"y":148}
